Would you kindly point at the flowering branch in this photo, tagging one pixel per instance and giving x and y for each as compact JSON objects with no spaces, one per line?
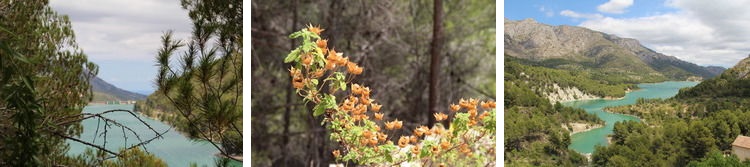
{"x":356,"y":123}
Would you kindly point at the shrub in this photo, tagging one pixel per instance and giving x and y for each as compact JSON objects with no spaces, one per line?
{"x":322,"y":76}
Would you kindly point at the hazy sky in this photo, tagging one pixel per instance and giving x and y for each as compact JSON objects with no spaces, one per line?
{"x":123,"y":36}
{"x":700,"y":31}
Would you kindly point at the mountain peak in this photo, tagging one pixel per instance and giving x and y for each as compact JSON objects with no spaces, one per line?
{"x":530,"y":40}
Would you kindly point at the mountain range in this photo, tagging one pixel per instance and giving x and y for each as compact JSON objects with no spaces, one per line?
{"x":104,"y":91}
{"x":582,"y":49}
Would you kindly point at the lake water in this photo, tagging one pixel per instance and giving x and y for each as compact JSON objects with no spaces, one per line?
{"x":584,"y":142}
{"x":174,"y":148}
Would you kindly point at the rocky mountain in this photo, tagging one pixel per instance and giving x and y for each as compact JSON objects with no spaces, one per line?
{"x":733,"y":82}
{"x":578,"y":48}
{"x":104,"y":91}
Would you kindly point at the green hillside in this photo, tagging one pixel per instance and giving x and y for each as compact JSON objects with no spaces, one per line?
{"x":541,"y":78}
{"x":696,"y":128}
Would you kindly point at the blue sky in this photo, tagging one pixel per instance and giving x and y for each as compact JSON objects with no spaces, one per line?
{"x":123,"y":36}
{"x":699,"y":31}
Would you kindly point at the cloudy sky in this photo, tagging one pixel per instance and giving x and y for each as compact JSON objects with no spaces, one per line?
{"x":700,"y":31}
{"x":123,"y":36}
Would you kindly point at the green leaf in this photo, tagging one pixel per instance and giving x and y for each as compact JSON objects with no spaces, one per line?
{"x":342,"y":85}
{"x":307,"y":46}
{"x":293,"y":56}
{"x":319,"y":110}
{"x":314,"y":82}
{"x":296,"y":34}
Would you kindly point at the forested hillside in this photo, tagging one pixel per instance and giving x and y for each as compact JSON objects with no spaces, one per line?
{"x":553,"y":83}
{"x":533,"y":131}
{"x":694,"y":128}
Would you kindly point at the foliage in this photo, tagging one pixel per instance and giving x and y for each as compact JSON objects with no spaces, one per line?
{"x":43,"y":81}
{"x":541,"y":79}
{"x":206,"y":87}
{"x":533,"y":132}
{"x":317,"y":78}
{"x":716,"y":158}
{"x":393,"y":48}
{"x":677,"y":130}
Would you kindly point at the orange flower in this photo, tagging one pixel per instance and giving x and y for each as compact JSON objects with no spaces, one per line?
{"x":365,"y":100}
{"x":342,"y":60}
{"x":455,"y":107}
{"x":316,"y":30}
{"x":336,"y":153}
{"x":415,"y":150}
{"x":353,"y":68}
{"x":376,"y":107}
{"x":330,"y":65}
{"x":322,"y":43}
{"x":472,"y":122}
{"x":298,"y":85}
{"x":366,"y":91}
{"x":356,"y":89}
{"x":491,"y":104}
{"x":473,"y":113}
{"x":445,"y":145}
{"x":377,"y":129}
{"x":367,"y":134}
{"x":403,"y":141}
{"x":364,"y":141}
{"x":437,"y":130}
{"x":348,"y":105}
{"x":419,"y":131}
{"x":318,"y":73}
{"x":485,"y":105}
{"x":413,"y":139}
{"x":373,"y":141}
{"x":379,"y":116}
{"x":332,"y":56}
{"x":361,"y":109}
{"x":396,"y":124}
{"x":382,"y":137}
{"x":399,"y":124}
{"x":306,"y":59}
{"x":440,"y":116}
{"x":473,"y":101}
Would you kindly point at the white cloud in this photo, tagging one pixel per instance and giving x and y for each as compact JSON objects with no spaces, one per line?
{"x":576,"y":15}
{"x":703,"y":32}
{"x":123,"y":29}
{"x":615,"y":6}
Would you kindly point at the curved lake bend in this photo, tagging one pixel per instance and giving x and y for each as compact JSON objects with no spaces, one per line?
{"x":174,"y":149}
{"x":584,"y":142}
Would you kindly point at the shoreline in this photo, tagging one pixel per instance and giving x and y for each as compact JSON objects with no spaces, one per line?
{"x":639,"y":118}
{"x":589,"y":127}
{"x":602,"y":98}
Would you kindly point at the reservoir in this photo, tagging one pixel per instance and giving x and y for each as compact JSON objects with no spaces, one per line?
{"x":584,"y":142}
{"x":174,"y":148}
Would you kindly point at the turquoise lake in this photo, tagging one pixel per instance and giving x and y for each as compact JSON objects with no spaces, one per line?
{"x":174,"y":148}
{"x":584,"y":142}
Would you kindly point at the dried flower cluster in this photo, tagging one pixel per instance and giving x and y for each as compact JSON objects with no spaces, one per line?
{"x":356,"y":121}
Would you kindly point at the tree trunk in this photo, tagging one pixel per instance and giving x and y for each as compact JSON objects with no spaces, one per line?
{"x":289,"y":94}
{"x":435,"y":50}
